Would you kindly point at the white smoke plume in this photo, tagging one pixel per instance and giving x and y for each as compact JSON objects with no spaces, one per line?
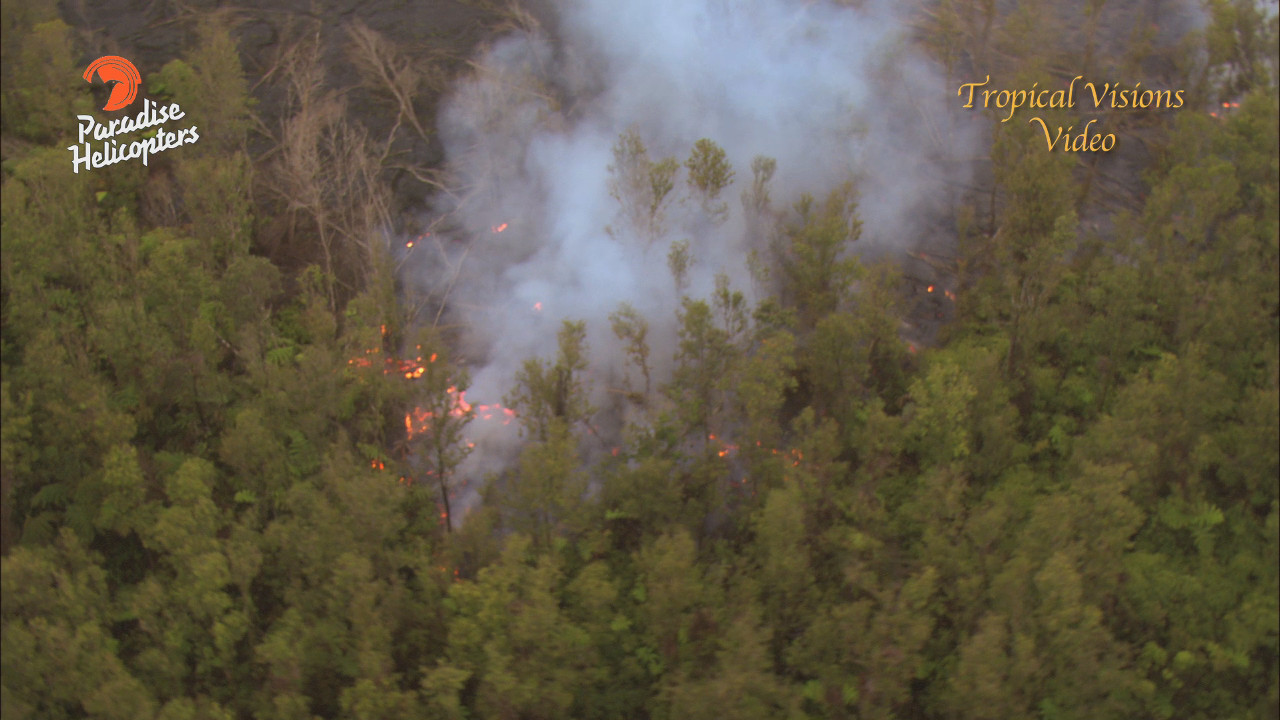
{"x":831,"y":92}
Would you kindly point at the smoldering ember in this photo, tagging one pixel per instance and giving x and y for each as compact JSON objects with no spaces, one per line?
{"x":669,"y":359}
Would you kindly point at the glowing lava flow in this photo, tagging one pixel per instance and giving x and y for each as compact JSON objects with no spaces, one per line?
{"x":727,"y":449}
{"x":1226,"y":106}
{"x":418,"y":421}
{"x":950,"y":295}
{"x":492,"y":228}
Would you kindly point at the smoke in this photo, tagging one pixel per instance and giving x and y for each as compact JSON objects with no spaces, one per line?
{"x":832,"y":93}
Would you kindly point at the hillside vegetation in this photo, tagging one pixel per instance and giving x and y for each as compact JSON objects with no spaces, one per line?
{"x":229,"y":446}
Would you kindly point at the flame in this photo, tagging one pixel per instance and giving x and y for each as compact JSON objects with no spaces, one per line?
{"x":461,"y":402}
{"x":930,"y":288}
{"x":499,"y":228}
{"x":725,"y":448}
{"x":537,"y":307}
{"x":950,"y":295}
{"x":417,"y":421}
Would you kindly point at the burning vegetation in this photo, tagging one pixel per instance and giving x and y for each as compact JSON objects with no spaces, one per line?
{"x":816,"y":416}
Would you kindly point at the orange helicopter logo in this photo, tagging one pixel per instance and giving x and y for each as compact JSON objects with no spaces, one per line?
{"x":114,"y":67}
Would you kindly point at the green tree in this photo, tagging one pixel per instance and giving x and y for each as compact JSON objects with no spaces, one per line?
{"x":444,"y":446}
{"x":641,"y":186}
{"x":43,"y":89}
{"x":547,"y":393}
{"x":676,"y":606}
{"x":709,"y":174}
{"x":527,"y":659}
{"x":59,"y":657}
{"x":546,"y":497}
{"x":704,"y":362}
{"x":631,"y":328}
{"x":767,"y":375}
{"x":815,"y":269}
{"x":939,"y":427}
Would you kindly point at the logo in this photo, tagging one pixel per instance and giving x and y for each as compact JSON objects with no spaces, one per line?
{"x":114,"y":67}
{"x":112,"y":148}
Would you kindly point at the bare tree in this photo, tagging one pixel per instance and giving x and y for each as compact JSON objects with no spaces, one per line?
{"x":326,"y":171}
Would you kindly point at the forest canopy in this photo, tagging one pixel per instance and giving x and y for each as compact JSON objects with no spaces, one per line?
{"x":239,"y":466}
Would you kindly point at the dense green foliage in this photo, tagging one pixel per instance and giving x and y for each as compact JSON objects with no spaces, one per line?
{"x":1066,"y":510}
